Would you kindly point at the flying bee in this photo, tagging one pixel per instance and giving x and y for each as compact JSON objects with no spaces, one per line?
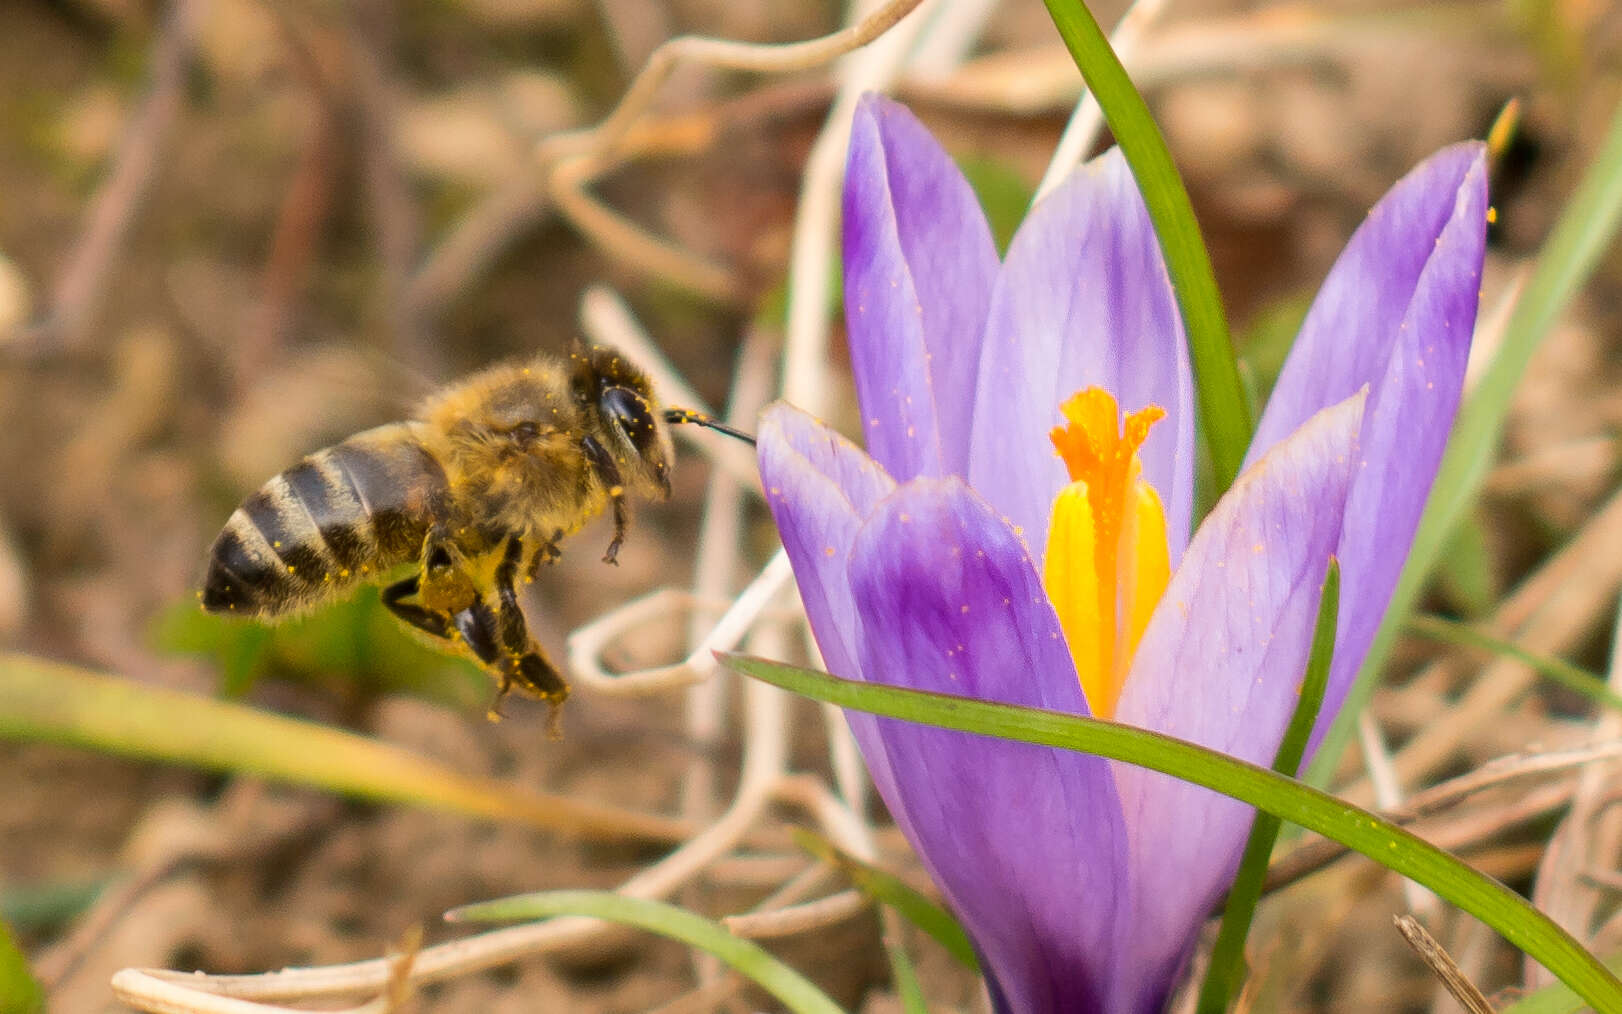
{"x":475,"y":493}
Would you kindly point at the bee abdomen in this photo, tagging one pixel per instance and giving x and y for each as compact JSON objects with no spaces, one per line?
{"x":342,"y":516}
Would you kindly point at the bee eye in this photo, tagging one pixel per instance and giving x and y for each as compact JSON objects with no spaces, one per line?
{"x":628,"y":411}
{"x":525,"y":432}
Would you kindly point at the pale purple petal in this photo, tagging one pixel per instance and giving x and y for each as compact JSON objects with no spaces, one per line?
{"x":1396,"y":314}
{"x":1083,"y":300}
{"x":820,"y":488}
{"x":1221,"y":664}
{"x":1026,"y":842}
{"x":919,"y":264}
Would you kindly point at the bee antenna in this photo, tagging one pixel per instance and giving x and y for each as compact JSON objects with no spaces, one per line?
{"x":681,"y":416}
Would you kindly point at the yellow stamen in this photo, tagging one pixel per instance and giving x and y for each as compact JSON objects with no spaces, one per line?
{"x":1106,"y":563}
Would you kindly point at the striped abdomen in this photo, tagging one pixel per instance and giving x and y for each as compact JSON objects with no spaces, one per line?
{"x":344,"y":515}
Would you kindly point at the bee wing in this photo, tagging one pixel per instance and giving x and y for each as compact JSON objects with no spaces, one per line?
{"x":310,"y":398}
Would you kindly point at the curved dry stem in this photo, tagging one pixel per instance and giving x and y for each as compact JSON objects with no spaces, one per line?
{"x":1566,"y":613}
{"x":717,"y":555}
{"x":1317,"y":853}
{"x":723,"y":54}
{"x":1388,"y":792}
{"x":806,"y":917}
{"x":586,"y":644}
{"x":1587,"y":839}
{"x":620,"y":238}
{"x":82,"y":285}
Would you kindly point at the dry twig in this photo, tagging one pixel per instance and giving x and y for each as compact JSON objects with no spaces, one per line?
{"x":81,"y":288}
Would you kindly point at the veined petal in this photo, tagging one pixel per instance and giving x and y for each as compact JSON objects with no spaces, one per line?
{"x":820,"y":488}
{"x":919,"y":264}
{"x":1026,"y":842}
{"x":1221,"y":664}
{"x":1396,"y":314}
{"x":1083,"y":300}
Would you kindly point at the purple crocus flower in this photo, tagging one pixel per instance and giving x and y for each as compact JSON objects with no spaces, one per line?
{"x":960,"y":554}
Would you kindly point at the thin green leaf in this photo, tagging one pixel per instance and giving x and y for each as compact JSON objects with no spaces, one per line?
{"x":1585,"y":230}
{"x":20,"y":992}
{"x":56,"y":703}
{"x":747,"y":958}
{"x":1573,"y":678}
{"x":1384,"y":842}
{"x":1556,"y":998}
{"x":1465,"y":572}
{"x":1228,"y":967}
{"x":1224,"y":418}
{"x":905,"y":978}
{"x":888,"y":889}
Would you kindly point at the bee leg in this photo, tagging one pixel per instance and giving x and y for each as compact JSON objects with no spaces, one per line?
{"x":477,"y":626}
{"x":526,"y":664}
{"x":609,"y":473}
{"x":425,"y":620}
{"x":442,"y":585}
{"x":547,"y":552}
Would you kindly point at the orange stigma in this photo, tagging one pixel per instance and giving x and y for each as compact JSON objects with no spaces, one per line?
{"x":1106,"y":563}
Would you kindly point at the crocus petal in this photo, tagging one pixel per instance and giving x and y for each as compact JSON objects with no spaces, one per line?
{"x":919,"y":264}
{"x":1221,"y":664}
{"x":1083,"y":300}
{"x":820,"y":488}
{"x":1026,"y":842}
{"x":1395,"y":314}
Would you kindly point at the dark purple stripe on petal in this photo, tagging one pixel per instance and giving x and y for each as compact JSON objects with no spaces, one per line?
{"x":1396,"y":314}
{"x":919,"y":264}
{"x":1027,"y":843}
{"x":820,"y":488}
{"x":1221,"y":664}
{"x":1083,"y":299}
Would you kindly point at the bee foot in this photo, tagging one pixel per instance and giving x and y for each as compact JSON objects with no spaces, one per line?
{"x":547,"y":552}
{"x":494,"y":713}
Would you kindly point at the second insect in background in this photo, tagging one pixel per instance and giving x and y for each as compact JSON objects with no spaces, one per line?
{"x":475,"y":493}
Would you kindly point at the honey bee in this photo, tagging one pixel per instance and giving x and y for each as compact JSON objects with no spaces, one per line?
{"x":475,"y":493}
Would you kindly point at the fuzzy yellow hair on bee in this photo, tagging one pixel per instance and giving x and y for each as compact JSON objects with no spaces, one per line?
{"x":475,"y":492}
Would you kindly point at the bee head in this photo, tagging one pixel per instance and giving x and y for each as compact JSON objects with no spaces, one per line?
{"x":619,"y":398}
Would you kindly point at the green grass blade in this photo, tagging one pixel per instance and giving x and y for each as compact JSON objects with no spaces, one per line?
{"x":1557,"y":998}
{"x":905,"y":978}
{"x":1384,"y":842}
{"x":888,"y":889}
{"x":56,"y":703}
{"x":1465,"y":570}
{"x":746,"y":957}
{"x":20,"y":992}
{"x":1586,"y":229}
{"x":1228,"y":969}
{"x":1558,"y":670}
{"x":1224,"y":414}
